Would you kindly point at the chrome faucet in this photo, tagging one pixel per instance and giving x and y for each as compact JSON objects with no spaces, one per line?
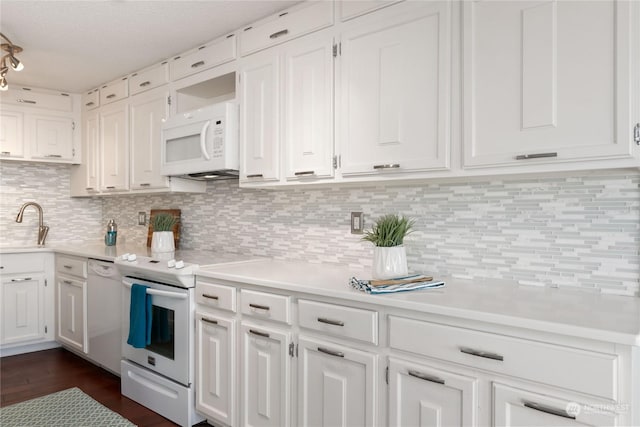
{"x":42,"y":229}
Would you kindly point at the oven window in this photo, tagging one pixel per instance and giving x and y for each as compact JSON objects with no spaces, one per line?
{"x":162,"y":332}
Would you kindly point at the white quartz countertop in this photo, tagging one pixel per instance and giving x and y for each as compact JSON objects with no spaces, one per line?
{"x":579,"y":313}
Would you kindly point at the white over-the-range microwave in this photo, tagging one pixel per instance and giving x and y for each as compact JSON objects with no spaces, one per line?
{"x":202,"y":143}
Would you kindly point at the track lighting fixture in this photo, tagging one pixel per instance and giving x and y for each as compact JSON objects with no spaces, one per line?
{"x":11,"y":51}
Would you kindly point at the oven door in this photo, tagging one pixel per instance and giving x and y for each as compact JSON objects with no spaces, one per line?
{"x":171,"y":335}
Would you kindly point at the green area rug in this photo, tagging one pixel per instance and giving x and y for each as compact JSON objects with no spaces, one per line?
{"x":69,"y":407}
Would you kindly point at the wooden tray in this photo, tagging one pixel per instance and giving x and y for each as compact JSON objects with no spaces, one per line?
{"x":176,"y":227}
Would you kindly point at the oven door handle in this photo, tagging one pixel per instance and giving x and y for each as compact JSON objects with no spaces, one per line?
{"x":162,"y":293}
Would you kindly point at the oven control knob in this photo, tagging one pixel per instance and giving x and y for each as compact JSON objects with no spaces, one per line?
{"x":171,"y":263}
{"x":131,"y":257}
{"x":180,"y":264}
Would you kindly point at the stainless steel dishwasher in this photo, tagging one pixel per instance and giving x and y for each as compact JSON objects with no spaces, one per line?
{"x":104,"y":320}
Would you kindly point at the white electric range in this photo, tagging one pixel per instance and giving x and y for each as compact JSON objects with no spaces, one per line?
{"x":161,"y":374}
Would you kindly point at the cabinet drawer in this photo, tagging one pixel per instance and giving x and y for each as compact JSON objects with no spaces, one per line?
{"x":286,"y":25}
{"x":338,"y":320}
{"x":21,"y":263}
{"x":114,"y":91}
{"x":352,"y":9}
{"x":216,"y":296}
{"x":91,"y":99}
{"x":265,"y":305}
{"x":215,"y":53}
{"x":38,"y":98}
{"x":71,"y":265}
{"x":145,"y":80}
{"x":584,"y":371}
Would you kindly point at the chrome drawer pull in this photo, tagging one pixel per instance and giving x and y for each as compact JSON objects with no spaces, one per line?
{"x":213,"y":322}
{"x":259,"y":307}
{"x":111,"y":187}
{"x":26,"y":279}
{"x":278,"y":34}
{"x":388,"y":166}
{"x":6,"y":153}
{"x":57,"y":156}
{"x":258,"y":333}
{"x":143,"y":84}
{"x":480,"y":353}
{"x":215,"y":297}
{"x":197,"y":64}
{"x":255,"y":175}
{"x":535,"y":156}
{"x":304,"y":173}
{"x":89,"y":188}
{"x":145,"y":184}
{"x":68,"y":282}
{"x":68,"y":266}
{"x":113,"y":95}
{"x":27,"y":101}
{"x":548,"y":409}
{"x":425,"y":377}
{"x":89,"y":104}
{"x":330,"y":352}
{"x":330,"y":322}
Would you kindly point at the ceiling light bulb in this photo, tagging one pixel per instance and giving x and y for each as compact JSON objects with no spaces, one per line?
{"x":3,"y":83}
{"x":15,"y":63}
{"x":3,"y":71}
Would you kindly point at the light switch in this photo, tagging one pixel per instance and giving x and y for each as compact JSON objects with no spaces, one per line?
{"x":142,"y":218}
{"x":357,"y":222}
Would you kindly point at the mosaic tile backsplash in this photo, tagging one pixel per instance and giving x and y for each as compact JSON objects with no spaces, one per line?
{"x":580,"y":230}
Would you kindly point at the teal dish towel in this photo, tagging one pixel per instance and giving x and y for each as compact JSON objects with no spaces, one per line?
{"x":140,"y":315}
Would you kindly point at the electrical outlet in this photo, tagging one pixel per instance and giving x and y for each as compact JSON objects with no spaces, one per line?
{"x":357,"y":222}
{"x":142,"y":218}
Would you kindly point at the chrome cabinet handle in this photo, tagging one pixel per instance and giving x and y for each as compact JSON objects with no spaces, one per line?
{"x":330,"y":352}
{"x":68,"y":282}
{"x":57,"y":156}
{"x":68,"y":267}
{"x":535,"y":156}
{"x":6,"y":153}
{"x":259,"y":307}
{"x":143,"y":84}
{"x":111,"y":187}
{"x":88,"y":104}
{"x":145,"y":184}
{"x":330,"y":321}
{"x":304,"y":173}
{"x":480,"y":353}
{"x":279,"y":34}
{"x":387,"y":166}
{"x":548,"y":409}
{"x":113,"y":95}
{"x":425,"y":377}
{"x":89,"y":188}
{"x":210,"y":296}
{"x":27,"y":101}
{"x":255,"y":175}
{"x":25,"y":279}
{"x":258,"y":333}
{"x":211,"y":321}
{"x":197,"y":64}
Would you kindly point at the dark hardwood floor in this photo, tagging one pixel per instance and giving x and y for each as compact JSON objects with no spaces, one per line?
{"x":30,"y":375}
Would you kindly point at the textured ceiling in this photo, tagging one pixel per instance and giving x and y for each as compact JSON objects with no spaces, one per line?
{"x":74,"y":46}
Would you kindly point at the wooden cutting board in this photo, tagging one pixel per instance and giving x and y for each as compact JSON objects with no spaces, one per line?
{"x":176,"y":227}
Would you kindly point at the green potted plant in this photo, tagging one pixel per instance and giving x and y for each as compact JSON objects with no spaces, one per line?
{"x":162,"y":240}
{"x":389,"y":254}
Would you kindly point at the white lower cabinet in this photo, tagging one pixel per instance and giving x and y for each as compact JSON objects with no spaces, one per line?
{"x":266,"y":376}
{"x":336,"y":385}
{"x":516,"y":407}
{"x":216,"y":367}
{"x":423,"y":395}
{"x":71,"y":302}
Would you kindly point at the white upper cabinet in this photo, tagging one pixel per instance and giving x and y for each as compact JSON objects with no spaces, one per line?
{"x":308,"y":108}
{"x":351,"y":9}
{"x":259,"y":118}
{"x":395,"y":90}
{"x":214,"y":53}
{"x":149,"y":78}
{"x":11,"y":141}
{"x":146,"y":115}
{"x":114,"y":91}
{"x":546,"y":81}
{"x":50,"y":137}
{"x":114,"y":147}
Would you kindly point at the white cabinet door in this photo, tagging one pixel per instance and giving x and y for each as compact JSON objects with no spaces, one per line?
{"x":11,"y":140}
{"x":266,"y":383}
{"x":147,"y":113}
{"x":515,"y":407}
{"x":91,"y":147}
{"x":216,"y":367}
{"x":71,"y":318}
{"x":308,"y":108}
{"x":395,"y":90}
{"x":50,"y":137}
{"x":22,"y":308}
{"x":546,"y":81}
{"x":421,"y":395}
{"x":336,"y":385}
{"x":260,"y":118}
{"x":114,"y":147}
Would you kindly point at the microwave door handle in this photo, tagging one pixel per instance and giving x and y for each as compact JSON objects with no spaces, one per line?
{"x":203,"y":140}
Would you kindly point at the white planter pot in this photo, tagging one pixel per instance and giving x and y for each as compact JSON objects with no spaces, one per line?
{"x":162,"y":242}
{"x":389,"y":263}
